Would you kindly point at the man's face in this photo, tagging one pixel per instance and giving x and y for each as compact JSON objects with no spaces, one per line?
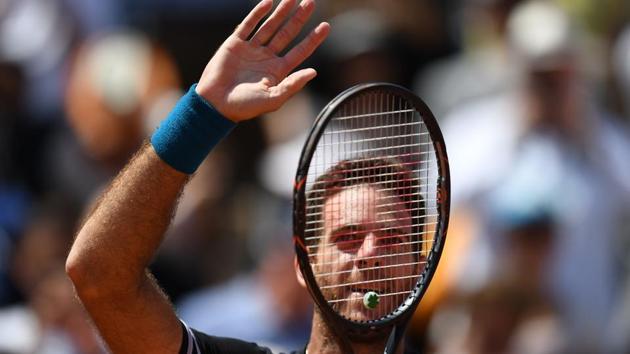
{"x":366,"y":246}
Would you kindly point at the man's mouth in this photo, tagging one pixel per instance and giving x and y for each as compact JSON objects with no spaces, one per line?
{"x":362,"y":290}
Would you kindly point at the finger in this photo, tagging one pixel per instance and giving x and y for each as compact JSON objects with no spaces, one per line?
{"x":291,"y":29}
{"x":306,"y":47}
{"x":245,"y":28}
{"x":274,"y":21}
{"x":291,"y":85}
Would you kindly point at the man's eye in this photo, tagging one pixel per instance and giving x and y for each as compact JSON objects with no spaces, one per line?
{"x":348,"y":237}
{"x":349,"y":241}
{"x":392,"y":237}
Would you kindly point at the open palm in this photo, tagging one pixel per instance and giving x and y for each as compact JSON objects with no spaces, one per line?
{"x":247,"y":76}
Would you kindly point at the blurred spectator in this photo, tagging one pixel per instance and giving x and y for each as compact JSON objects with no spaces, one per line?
{"x":205,"y":246}
{"x":401,"y":37}
{"x":498,"y":318}
{"x":31,"y":72}
{"x":49,"y":319}
{"x":621,"y":68}
{"x":53,"y":322}
{"x":40,"y":53}
{"x":116,"y":83}
{"x":514,"y":311}
{"x":11,"y":87}
{"x":43,"y":245}
{"x":420,"y":27}
{"x":278,"y":311}
{"x":359,"y":53}
{"x":15,"y":196}
{"x":119,"y":85}
{"x":550,"y":133}
{"x":285,"y":131}
{"x":602,"y":18}
{"x":93,"y":16}
{"x":483,"y":58}
{"x":191,"y":29}
{"x":617,"y":339}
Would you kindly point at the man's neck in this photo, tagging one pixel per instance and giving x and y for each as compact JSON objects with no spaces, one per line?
{"x":324,"y":340}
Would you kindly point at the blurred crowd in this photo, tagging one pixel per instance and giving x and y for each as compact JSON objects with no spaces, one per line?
{"x":533,"y":98}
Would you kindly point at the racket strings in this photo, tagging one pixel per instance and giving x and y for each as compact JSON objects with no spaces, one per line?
{"x":384,"y":228}
{"x":374,"y":114}
{"x":413,"y":253}
{"x":377,"y":127}
{"x":403,"y":157}
{"x":380,"y":175}
{"x":374,"y":170}
{"x":358,"y":176}
{"x":336,"y":301}
{"x":370,"y":268}
{"x":408,"y":210}
{"x":332,"y":190}
{"x":384,"y":205}
{"x":376,"y":151}
{"x":367,"y":282}
{"x":360,"y":238}
{"x":381,"y":247}
{"x":369,"y":140}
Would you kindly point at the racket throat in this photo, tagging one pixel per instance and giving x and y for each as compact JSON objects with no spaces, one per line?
{"x":394,"y":339}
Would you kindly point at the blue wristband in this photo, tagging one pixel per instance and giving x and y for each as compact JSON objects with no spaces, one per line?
{"x":192,"y":129}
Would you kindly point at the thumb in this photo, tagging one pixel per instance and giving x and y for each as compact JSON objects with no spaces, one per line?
{"x":292,"y":84}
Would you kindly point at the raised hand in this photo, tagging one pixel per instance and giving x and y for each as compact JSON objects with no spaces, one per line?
{"x":247,"y":76}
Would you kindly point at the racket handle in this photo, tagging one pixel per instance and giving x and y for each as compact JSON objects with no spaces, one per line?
{"x":394,"y":339}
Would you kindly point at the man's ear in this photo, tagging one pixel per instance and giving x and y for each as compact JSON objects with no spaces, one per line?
{"x":298,"y":272}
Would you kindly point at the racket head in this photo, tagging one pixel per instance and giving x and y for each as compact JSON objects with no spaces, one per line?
{"x":374,"y":147}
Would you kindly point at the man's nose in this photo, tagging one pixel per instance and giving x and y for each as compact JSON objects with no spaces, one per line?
{"x":368,"y":252}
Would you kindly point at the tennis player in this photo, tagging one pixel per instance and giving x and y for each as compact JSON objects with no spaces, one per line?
{"x":108,"y":261}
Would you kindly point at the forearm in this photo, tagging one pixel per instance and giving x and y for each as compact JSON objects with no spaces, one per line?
{"x":121,"y":235}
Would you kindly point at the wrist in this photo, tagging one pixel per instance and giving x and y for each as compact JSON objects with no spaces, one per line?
{"x":209,"y":94}
{"x":191,"y":130}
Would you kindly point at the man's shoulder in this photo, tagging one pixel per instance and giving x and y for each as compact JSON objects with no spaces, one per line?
{"x":195,"y":342}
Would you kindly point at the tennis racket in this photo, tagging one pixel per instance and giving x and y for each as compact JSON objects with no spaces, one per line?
{"x":371,"y":209}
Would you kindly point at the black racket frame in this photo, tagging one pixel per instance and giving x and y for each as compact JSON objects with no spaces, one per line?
{"x":403,"y":313}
